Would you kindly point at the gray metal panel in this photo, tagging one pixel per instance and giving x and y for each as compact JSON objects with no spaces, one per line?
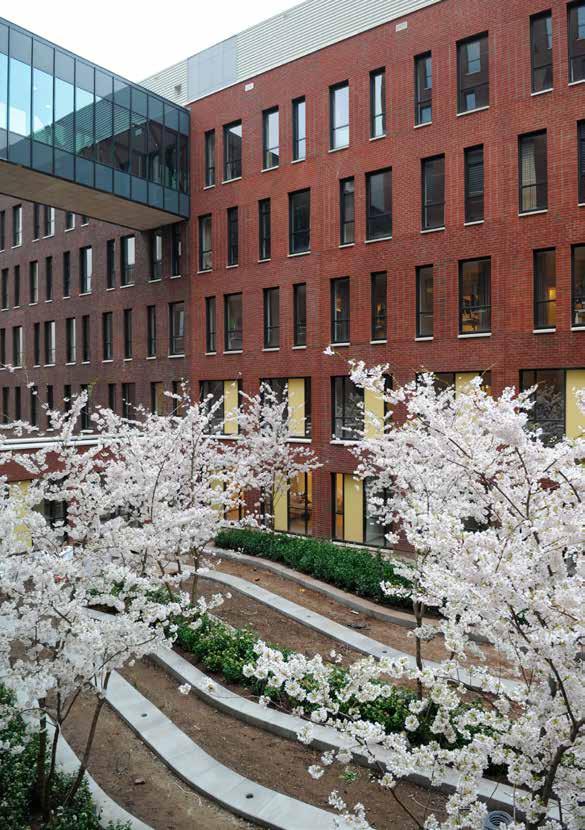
{"x":171,"y":83}
{"x":213,"y":68}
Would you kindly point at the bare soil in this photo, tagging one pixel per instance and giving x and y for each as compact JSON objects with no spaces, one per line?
{"x":119,"y":759}
{"x":276,"y":762}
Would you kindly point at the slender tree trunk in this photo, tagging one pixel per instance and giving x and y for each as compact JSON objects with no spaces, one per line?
{"x":194,"y":583}
{"x":418,"y":609}
{"x":41,"y":771}
{"x":48,"y":787}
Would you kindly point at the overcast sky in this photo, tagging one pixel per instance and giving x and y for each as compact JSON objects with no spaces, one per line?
{"x":137,"y":38}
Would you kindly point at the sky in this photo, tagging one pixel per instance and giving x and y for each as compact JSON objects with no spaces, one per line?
{"x":136,"y":38}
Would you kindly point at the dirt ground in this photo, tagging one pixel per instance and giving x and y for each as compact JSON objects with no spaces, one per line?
{"x":119,"y":759}
{"x":273,"y":761}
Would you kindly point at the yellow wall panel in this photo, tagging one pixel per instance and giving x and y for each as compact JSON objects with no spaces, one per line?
{"x":373,"y":406}
{"x":353,"y":503}
{"x":280,"y":505}
{"x":296,"y":407}
{"x":230,"y":405}
{"x":575,"y":426}
{"x":462,"y":380}
{"x":19,"y":489}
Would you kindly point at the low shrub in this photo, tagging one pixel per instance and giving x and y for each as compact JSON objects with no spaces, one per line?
{"x":355,"y":570}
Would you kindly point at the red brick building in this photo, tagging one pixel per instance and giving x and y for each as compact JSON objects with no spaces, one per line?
{"x":421,"y":173}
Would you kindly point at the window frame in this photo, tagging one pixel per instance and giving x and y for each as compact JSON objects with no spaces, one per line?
{"x":231,"y":346}
{"x":264,"y":230}
{"x":370,"y":219}
{"x":539,"y":287}
{"x":464,"y":89}
{"x":421,"y":314}
{"x":299,"y":328}
{"x":346,"y":204}
{"x":177,"y":329}
{"x":535,"y":67}
{"x":334,"y":127}
{"x":349,"y":427}
{"x":577,"y":295}
{"x":293,"y":231}
{"x":232,"y":164}
{"x":423,"y":95}
{"x":477,"y":308}
{"x":209,"y":159}
{"x":107,"y":335}
{"x":573,"y":54}
{"x":429,"y":178}
{"x":298,"y":139}
{"x":340,"y":289}
{"x":127,"y":246}
{"x":542,"y":184}
{"x":127,"y":333}
{"x":270,"y":154}
{"x":233,"y":237}
{"x":85,"y":269}
{"x":470,"y":198}
{"x":205,"y":228}
{"x":151,"y":331}
{"x":376,"y":116}
{"x":210,"y":325}
{"x":271,"y":318}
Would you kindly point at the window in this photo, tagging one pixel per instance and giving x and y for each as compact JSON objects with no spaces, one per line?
{"x":340,"y":310}
{"x":300,"y":314}
{"x":347,"y":211}
{"x":474,"y":295}
{"x":548,"y":412}
{"x":212,"y":393}
{"x":157,"y":398}
{"x":156,"y":254}
{"x":112,"y":396}
{"x":16,"y":226}
{"x":339,"y":115}
{"x":4,"y":289}
{"x":271,"y":318}
{"x":378,"y":103}
{"x":545,"y":289}
{"x":581,"y":161}
{"x":127,"y":333}
{"x":67,"y":397}
{"x":433,"y":193}
{"x":85,"y":269}
{"x":128,"y":400}
{"x":48,"y":278}
{"x":232,"y":237}
{"x":474,"y":179}
{"x":576,"y":27}
{"x":70,"y":340}
{"x":423,"y":86}
{"x":111,"y":263}
{"x":34,"y":411}
{"x":348,"y":414}
{"x":205,"y":260}
{"x":300,"y":504}
{"x":379,"y":204}
{"x":3,"y":354}
{"x":264,"y":229}
{"x":107,"y":335}
{"x":209,"y":158}
{"x":5,"y":404}
{"x":532,"y":164}
{"x":85,"y":339}
{"x":541,"y":51}
{"x":49,"y":221}
{"x":424,"y":301}
{"x":66,"y":273}
{"x":379,"y":307}
{"x":270,"y":141}
{"x":578,"y":280}
{"x":299,"y":213}
{"x":299,"y":150}
{"x":33,"y":280}
{"x":176,"y":250}
{"x":17,"y":346}
{"x":49,"y":342}
{"x":233,"y":322}
{"x":177,"y":328}
{"x":69,"y":220}
{"x":37,"y":344}
{"x":2,"y":230}
{"x":210,"y":325}
{"x":151,"y":331}
{"x":232,"y":151}
{"x":36,"y":221}
{"x":16,"y":286}
{"x":18,"y":403}
{"x":473,"y":74}
{"x":128,"y":259}
{"x":84,"y":219}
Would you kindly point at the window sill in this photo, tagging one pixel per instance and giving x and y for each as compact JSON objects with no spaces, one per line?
{"x":157,"y":279}
{"x":292,"y":440}
{"x":343,"y":442}
{"x":380,"y":239}
{"x":434,"y":230}
{"x":423,"y":339}
{"x":580,"y":204}
{"x":35,"y":302}
{"x":175,"y":276}
{"x":532,"y":212}
{"x":378,"y":137}
{"x":209,"y":187}
{"x":424,"y":124}
{"x":205,"y":271}
{"x":175,"y":356}
{"x":127,"y":285}
{"x":49,"y":236}
{"x":71,"y":363}
{"x":209,"y":354}
{"x":541,"y":92}
{"x":234,"y":351}
{"x":17,"y":246}
{"x":107,"y":360}
{"x":578,"y":328}
{"x":348,"y":245}
{"x":576,"y":83}
{"x":151,"y":357}
{"x":127,"y":359}
{"x":68,"y":296}
{"x":544,"y":331}
{"x":298,"y":161}
{"x":269,"y":169}
{"x":298,"y":347}
{"x":338,"y":149}
{"x":301,"y":253}
{"x":85,"y":362}
{"x":68,"y":230}
{"x":377,"y":342}
{"x":471,"y":224}
{"x":48,"y":365}
{"x":49,"y":301}
{"x":474,"y":334}
{"x":470,"y":112}
{"x":271,"y":349}
{"x":265,"y":260}
{"x":228,"y":181}
{"x":227,"y":267}
{"x":113,"y":288}
{"x":84,"y":293}
{"x":338,"y":345}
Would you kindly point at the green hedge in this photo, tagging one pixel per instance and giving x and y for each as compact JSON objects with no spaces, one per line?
{"x":355,"y":570}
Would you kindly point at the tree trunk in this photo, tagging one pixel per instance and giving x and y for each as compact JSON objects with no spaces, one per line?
{"x":195,"y":581}
{"x":48,"y":785}
{"x":418,"y":609}
{"x":39,"y":787}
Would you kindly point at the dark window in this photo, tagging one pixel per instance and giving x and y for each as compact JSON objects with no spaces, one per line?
{"x":299,"y":129}
{"x":474,"y":184}
{"x":176,"y":250}
{"x":85,"y":339}
{"x":299,"y":212}
{"x":66,"y":273}
{"x":33,"y":282}
{"x":128,"y":261}
{"x":16,"y":225}
{"x":340,"y":310}
{"x":49,"y":342}
{"x":49,"y":278}
{"x":581,"y":161}
{"x":377,"y":103}
{"x":433,"y":193}
{"x":157,"y":399}
{"x":50,"y":407}
{"x":232,"y":151}
{"x":85,"y":269}
{"x":4,"y":288}
{"x":210,"y":325}
{"x":156,"y":254}
{"x":379,"y":306}
{"x":5,"y":404}
{"x":578,"y":280}
{"x":475,"y":296}
{"x":424,"y":301}
{"x":3,"y":354}
{"x":151,"y":331}
{"x":16,"y":285}
{"x":233,"y":322}
{"x":532,"y":165}
{"x":300,"y":314}
{"x":209,"y":158}
{"x":545,"y":289}
{"x":69,"y":220}
{"x":541,"y":51}
{"x":379,"y":204}
{"x":232,"y":236}
{"x":2,"y":229}
{"x":300,"y":504}
{"x":212,"y":394}
{"x":271,"y":318}
{"x":127,"y":333}
{"x":112,"y":396}
{"x":107,"y":335}
{"x":270,"y":140}
{"x":548,"y":412}
{"x":205,"y":258}
{"x":423,"y":85}
{"x":576,"y":27}
{"x":339,"y":115}
{"x":177,"y":328}
{"x":49,"y":221}
{"x":473,"y":73}
{"x":128,"y":400}
{"x":264,"y":229}
{"x":34,"y":408}
{"x":347,"y":211}
{"x":348,"y":413}
{"x":37,"y":344}
{"x":84,"y":219}
{"x":67,"y":397}
{"x":70,"y":340}
{"x":17,"y":403}
{"x":110,"y":263}
{"x":36,"y":221}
